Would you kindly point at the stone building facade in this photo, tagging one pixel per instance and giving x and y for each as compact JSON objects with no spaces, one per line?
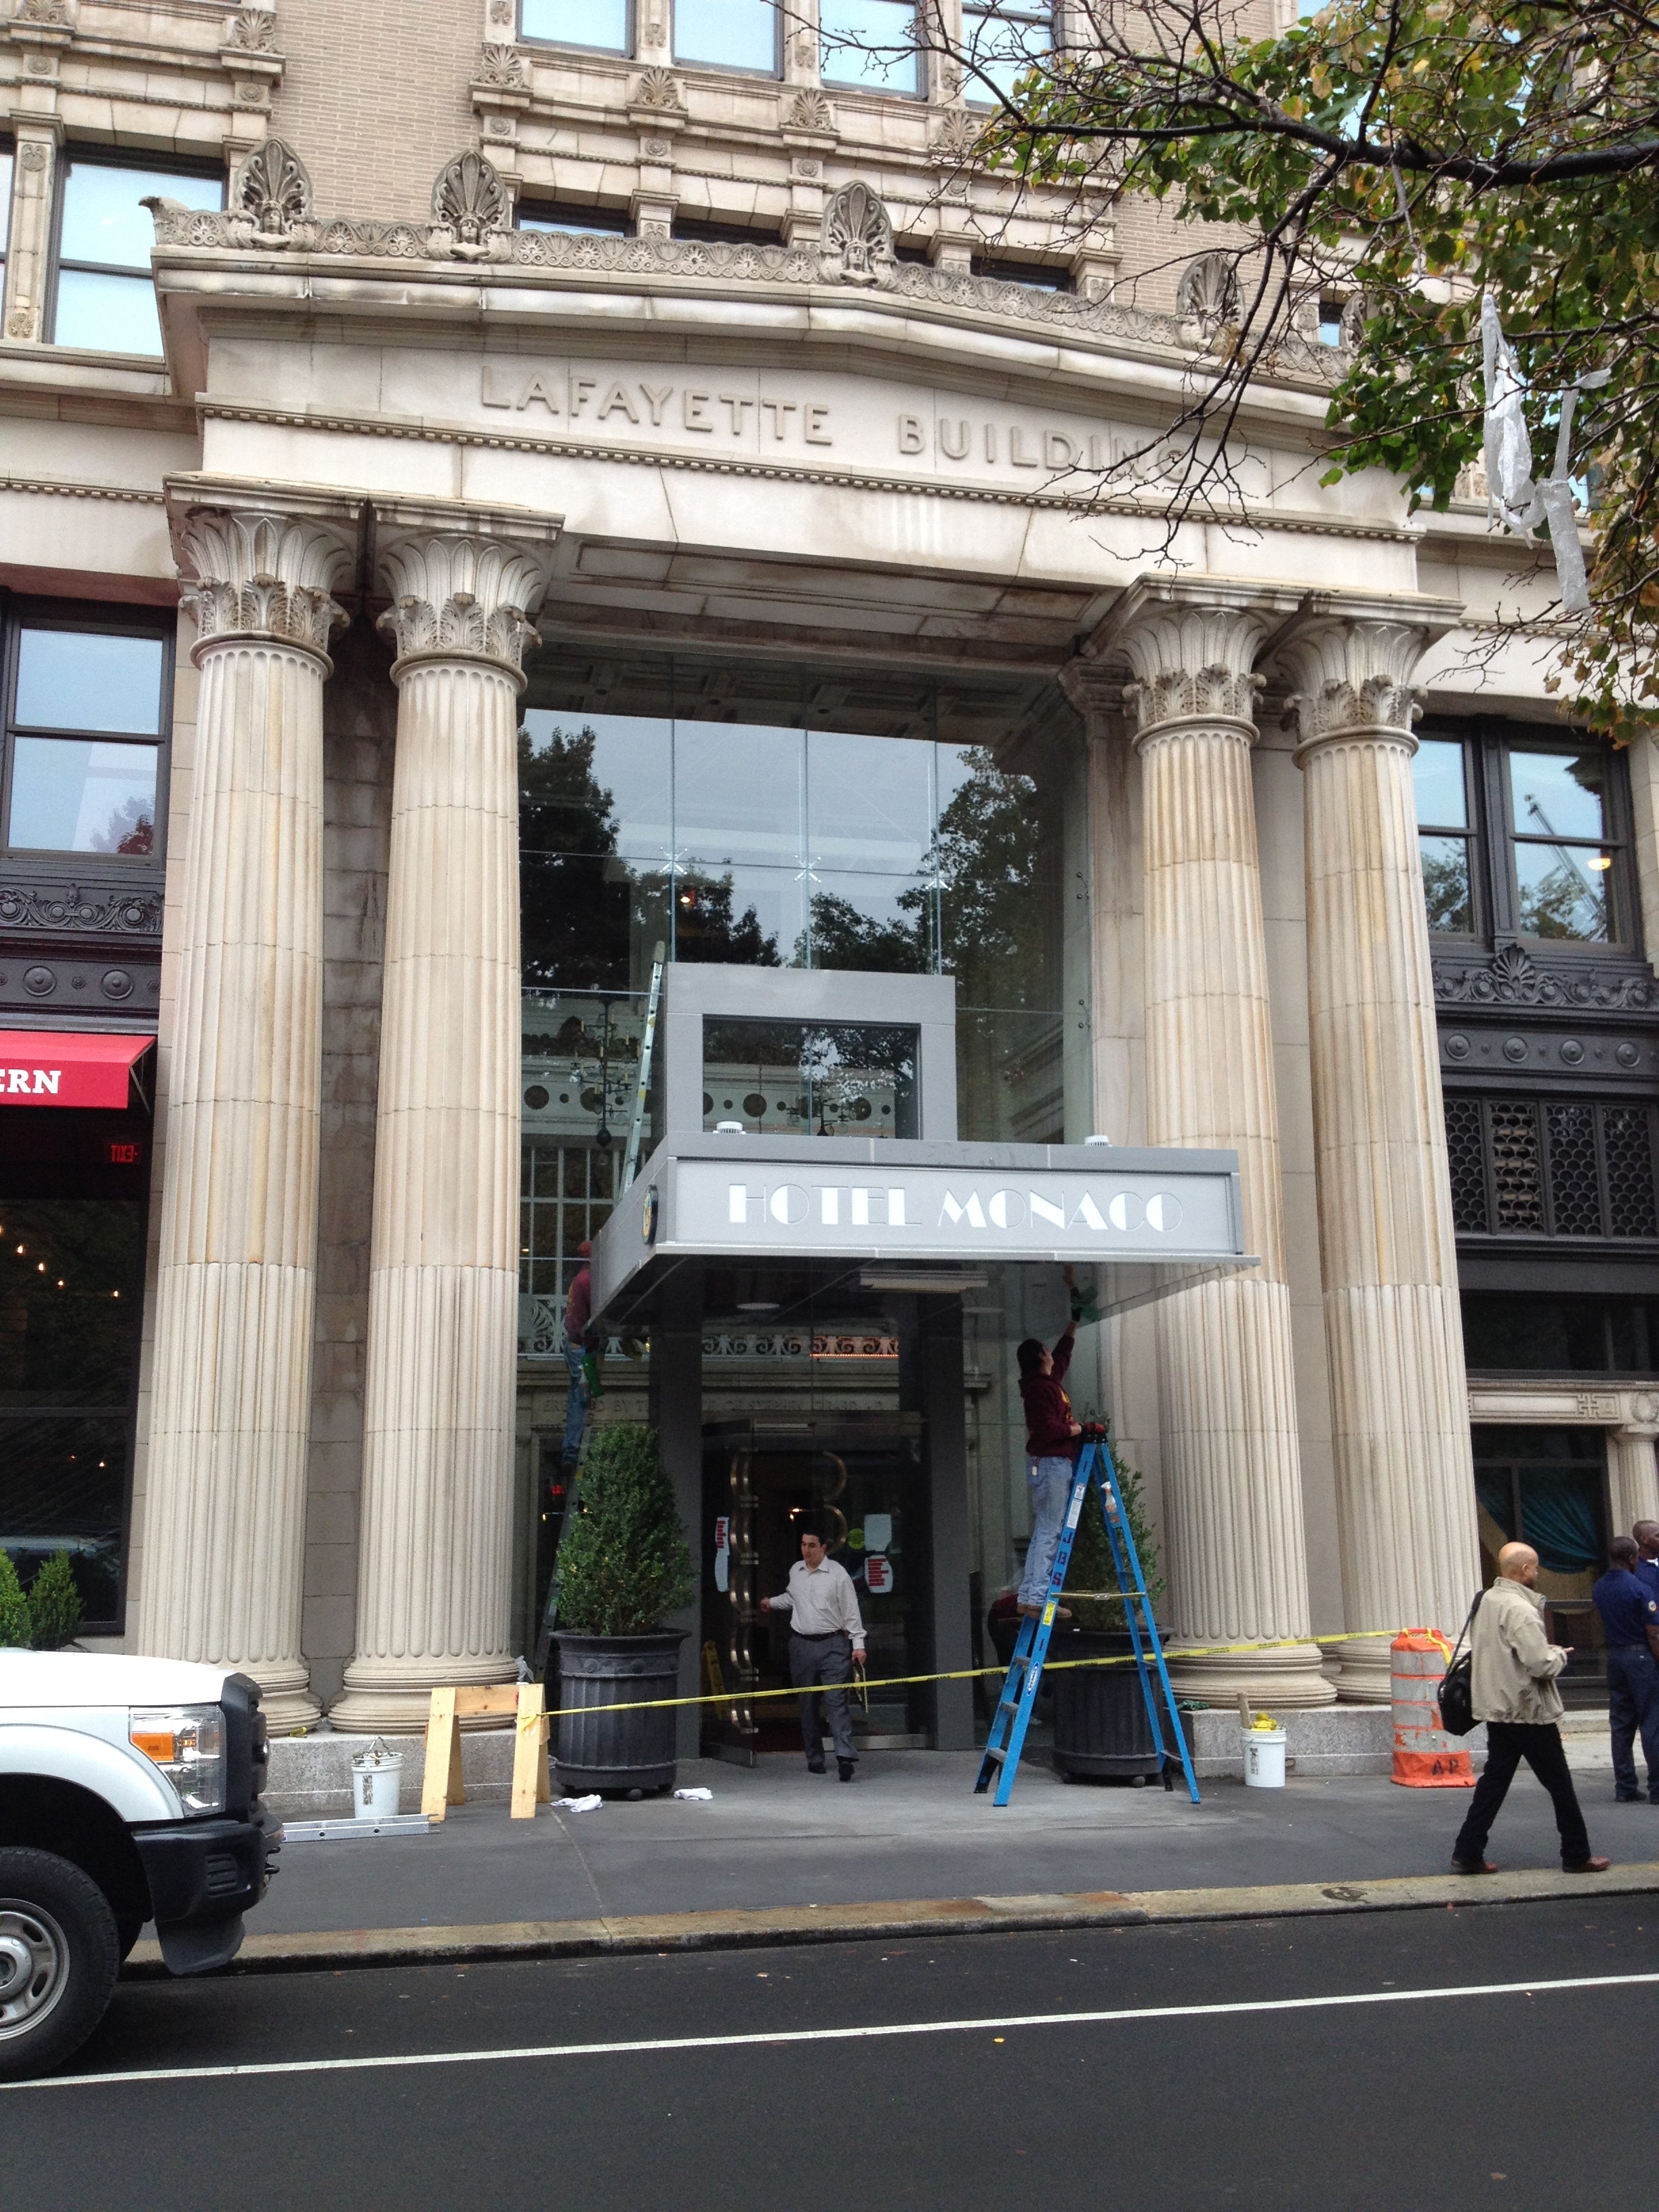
{"x":694,"y":388}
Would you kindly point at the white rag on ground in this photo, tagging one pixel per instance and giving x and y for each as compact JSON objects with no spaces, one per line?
{"x":577,"y":1804}
{"x":695,"y":1796}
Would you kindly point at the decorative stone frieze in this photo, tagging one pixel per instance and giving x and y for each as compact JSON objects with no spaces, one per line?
{"x":437,"y":1512}
{"x":1207,"y":298}
{"x":74,"y":909}
{"x":956,"y":140}
{"x":809,"y":114}
{"x":658,"y":91}
{"x":1512,"y":977}
{"x":1232,"y":1460}
{"x":258,"y":574}
{"x":1393,"y":1326}
{"x":504,"y":66}
{"x":221,"y":1572}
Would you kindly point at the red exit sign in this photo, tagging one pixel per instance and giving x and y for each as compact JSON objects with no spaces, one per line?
{"x":125,"y":1156}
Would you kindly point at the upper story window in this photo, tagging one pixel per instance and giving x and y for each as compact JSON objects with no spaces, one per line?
{"x":105,"y":300}
{"x":605,"y":26}
{"x":1523,"y":834}
{"x":869,"y":44}
{"x":85,"y":718}
{"x":568,"y":216}
{"x":739,"y":34}
{"x":1042,"y":276}
{"x":6,"y":165}
{"x":1001,"y":41}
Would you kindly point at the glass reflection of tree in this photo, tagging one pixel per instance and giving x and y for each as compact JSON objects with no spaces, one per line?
{"x":582,"y":906}
{"x":1446,"y":890}
{"x":986,"y":862}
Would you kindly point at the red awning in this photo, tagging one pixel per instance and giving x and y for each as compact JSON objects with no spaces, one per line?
{"x":68,"y":1067}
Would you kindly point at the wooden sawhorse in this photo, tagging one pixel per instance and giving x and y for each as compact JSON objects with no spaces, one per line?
{"x":442,"y":1786}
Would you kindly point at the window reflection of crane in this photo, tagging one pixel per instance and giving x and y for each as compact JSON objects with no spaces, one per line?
{"x":1589,"y":894}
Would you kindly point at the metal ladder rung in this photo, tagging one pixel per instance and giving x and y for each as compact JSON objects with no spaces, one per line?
{"x":995,"y":1750}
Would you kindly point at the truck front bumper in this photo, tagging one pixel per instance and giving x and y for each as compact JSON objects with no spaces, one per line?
{"x":203,"y":1876}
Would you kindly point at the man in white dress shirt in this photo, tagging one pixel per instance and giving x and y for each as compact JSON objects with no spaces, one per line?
{"x":826,"y":1635}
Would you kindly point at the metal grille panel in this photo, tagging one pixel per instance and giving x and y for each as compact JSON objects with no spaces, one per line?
{"x":1466,"y":1145}
{"x":1627,"y":1133}
{"x":1516,"y":1176}
{"x":1575,"y":1188}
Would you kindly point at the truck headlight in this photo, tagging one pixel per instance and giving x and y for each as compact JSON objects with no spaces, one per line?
{"x":187,"y":1742}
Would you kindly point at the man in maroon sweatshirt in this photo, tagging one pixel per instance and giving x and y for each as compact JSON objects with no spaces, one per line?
{"x":1051,"y":1438}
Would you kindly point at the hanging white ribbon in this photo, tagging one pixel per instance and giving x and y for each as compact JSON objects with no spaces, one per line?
{"x":1512,"y":496}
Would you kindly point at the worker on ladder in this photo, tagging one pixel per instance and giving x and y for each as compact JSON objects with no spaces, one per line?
{"x":1051,"y":1443}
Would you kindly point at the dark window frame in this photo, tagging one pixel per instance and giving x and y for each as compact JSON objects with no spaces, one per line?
{"x":101,"y":619}
{"x":108,"y":157}
{"x":627,"y":52}
{"x":1489,"y":744}
{"x":1539,"y":1104}
{"x":1021,"y":11}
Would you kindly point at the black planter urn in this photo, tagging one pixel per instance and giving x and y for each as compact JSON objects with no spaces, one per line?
{"x":1102,"y":1732}
{"x":599,"y":1748}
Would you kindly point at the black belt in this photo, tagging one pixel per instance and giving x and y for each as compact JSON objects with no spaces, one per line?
{"x":819,"y":1635}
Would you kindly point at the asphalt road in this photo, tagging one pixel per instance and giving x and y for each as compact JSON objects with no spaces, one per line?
{"x":1521,"y":2095}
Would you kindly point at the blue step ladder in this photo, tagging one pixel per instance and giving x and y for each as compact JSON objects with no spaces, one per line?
{"x":1013,"y":1713}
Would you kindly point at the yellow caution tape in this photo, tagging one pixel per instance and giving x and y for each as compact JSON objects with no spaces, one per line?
{"x":963,"y":1673}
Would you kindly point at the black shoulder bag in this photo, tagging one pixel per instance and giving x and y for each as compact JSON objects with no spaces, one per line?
{"x":1457,"y":1690}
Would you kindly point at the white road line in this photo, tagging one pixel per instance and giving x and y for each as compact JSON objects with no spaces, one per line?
{"x":874,"y":2033}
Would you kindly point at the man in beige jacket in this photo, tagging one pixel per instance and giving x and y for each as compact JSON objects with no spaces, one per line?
{"x":1513,"y":1667}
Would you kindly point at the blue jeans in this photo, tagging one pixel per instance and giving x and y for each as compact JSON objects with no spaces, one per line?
{"x":1633,"y":1704}
{"x":575,"y":1405}
{"x":1050,"y":1482}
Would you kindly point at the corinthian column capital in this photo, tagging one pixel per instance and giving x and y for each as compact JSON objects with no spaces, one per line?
{"x":259,"y":567}
{"x":466,"y":592}
{"x":1192,"y":644}
{"x":1350,"y":669}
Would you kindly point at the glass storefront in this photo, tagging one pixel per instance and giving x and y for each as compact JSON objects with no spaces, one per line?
{"x":1548,"y":1487}
{"x":687,"y":810}
{"x":73,"y":1192}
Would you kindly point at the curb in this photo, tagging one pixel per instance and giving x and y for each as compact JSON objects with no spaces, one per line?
{"x":747,"y":1929}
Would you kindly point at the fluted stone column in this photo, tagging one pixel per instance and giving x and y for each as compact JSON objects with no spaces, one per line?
{"x":1232,"y":1481}
{"x":433,"y":1602}
{"x":1632,"y":1479}
{"x":225,"y":1498}
{"x":1393,"y":1331}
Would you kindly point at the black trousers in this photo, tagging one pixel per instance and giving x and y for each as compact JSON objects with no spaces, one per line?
{"x":1508,"y":1742}
{"x":824,"y":1659}
{"x":1633,"y":1704}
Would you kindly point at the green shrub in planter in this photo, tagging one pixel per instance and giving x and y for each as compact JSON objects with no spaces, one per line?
{"x":16,"y":1626}
{"x":625,"y":1563}
{"x":1091,"y":1568}
{"x":54,"y":1604}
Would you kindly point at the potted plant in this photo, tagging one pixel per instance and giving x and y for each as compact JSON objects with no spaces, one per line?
{"x":1101,"y":1727}
{"x":623,"y":1564}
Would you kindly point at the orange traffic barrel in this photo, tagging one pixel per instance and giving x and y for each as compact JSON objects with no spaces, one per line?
{"x":1425,"y":1756}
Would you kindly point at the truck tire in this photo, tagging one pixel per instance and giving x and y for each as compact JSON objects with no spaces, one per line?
{"x":59,"y":1953}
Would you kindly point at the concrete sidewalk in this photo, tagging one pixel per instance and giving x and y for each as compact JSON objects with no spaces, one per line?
{"x":910,"y":1828}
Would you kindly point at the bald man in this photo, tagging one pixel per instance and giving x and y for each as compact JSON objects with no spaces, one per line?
{"x":1513,"y":1672}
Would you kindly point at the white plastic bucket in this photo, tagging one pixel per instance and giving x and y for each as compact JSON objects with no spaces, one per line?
{"x":1264,"y":1759}
{"x":376,"y":1782}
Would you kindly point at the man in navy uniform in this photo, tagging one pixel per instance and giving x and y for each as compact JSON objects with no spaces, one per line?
{"x":1645,"y":1535}
{"x":1630,"y":1614}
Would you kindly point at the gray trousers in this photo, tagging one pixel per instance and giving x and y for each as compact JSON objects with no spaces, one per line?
{"x":823,"y":1659}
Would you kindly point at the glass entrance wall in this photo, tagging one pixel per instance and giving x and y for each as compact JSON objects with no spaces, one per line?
{"x":787,"y":815}
{"x":1548,"y":1488}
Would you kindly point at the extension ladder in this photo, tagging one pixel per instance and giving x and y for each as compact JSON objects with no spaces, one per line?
{"x":1013,"y":1713}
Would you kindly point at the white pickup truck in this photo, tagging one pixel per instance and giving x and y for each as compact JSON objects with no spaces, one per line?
{"x":130,"y":1791}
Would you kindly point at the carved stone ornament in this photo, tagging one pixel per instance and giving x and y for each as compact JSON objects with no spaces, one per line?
{"x":462,"y":597}
{"x":958,"y":135}
{"x":52,"y":13}
{"x":1207,"y":298}
{"x":254,"y":31}
{"x":811,"y":111}
{"x":68,"y":908}
{"x":469,"y":208}
{"x":34,"y":155}
{"x":1193,"y":663}
{"x":503,"y":65}
{"x":858,"y":238}
{"x":1512,"y":978}
{"x":501,"y":11}
{"x":657,"y":87}
{"x":262,"y":575}
{"x":1352,"y":679}
{"x":273,"y":197}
